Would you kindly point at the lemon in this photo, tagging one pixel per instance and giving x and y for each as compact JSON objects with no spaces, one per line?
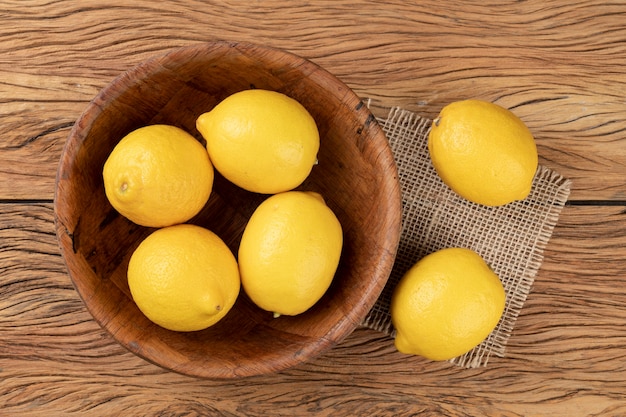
{"x":183,"y":277}
{"x":289,"y":252}
{"x":158,"y":175}
{"x":262,"y":141}
{"x":446,"y":304}
{"x":483,"y":152}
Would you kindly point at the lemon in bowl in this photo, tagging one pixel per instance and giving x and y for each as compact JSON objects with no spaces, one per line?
{"x":158,"y":175}
{"x":183,"y":278}
{"x":289,"y":252}
{"x":263,"y":141}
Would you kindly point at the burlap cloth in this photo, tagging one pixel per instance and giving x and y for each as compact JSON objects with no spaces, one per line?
{"x":510,"y":238}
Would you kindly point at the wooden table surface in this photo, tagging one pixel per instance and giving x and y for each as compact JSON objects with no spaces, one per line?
{"x":559,"y":65}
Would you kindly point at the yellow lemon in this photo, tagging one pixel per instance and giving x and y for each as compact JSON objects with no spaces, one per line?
{"x":483,"y":152}
{"x":446,"y":304}
{"x":289,"y":252}
{"x":158,"y":175}
{"x":260,"y":140}
{"x":183,"y":277}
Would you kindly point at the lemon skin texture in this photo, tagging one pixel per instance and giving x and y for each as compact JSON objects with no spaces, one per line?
{"x":446,"y":304}
{"x":262,"y":141}
{"x":289,"y":252}
{"x":483,"y":152}
{"x":158,"y":175}
{"x":183,"y":278}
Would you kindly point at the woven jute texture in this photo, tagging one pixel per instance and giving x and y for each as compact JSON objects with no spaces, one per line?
{"x":510,"y":238}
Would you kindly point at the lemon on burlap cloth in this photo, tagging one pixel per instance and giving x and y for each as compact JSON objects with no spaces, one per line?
{"x":289,"y":252}
{"x":183,"y":277}
{"x":263,"y":141}
{"x":446,"y":304}
{"x":483,"y":152}
{"x":158,"y":175}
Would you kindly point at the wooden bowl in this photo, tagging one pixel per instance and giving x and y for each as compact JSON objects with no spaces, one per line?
{"x":356,"y":175}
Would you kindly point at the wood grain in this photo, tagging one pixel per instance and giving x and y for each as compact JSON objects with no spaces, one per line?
{"x":560,"y":65}
{"x":566,"y":356}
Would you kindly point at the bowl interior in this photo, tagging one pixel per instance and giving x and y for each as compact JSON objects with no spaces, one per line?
{"x":356,"y":175}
